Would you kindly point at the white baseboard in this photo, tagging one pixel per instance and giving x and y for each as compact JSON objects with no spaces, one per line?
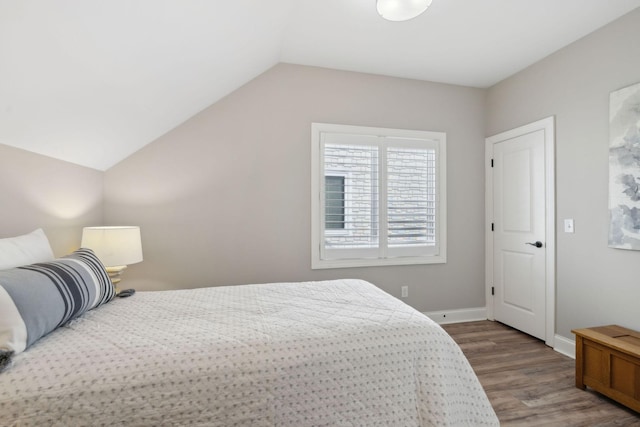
{"x":457,"y":316}
{"x":561,"y":344}
{"x":564,"y":346}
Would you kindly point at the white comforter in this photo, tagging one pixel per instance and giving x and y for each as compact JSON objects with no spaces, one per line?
{"x":334,"y":353}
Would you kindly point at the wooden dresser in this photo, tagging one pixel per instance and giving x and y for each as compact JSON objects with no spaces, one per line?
{"x":608,"y":361}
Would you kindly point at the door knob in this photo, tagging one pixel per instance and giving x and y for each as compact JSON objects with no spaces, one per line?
{"x":537,"y":244}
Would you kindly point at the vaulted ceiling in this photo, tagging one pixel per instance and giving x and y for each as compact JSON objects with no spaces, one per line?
{"x":92,"y":81}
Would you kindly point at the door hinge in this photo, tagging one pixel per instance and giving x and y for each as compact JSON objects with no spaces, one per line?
{"x":493,"y":290}
{"x":491,"y":162}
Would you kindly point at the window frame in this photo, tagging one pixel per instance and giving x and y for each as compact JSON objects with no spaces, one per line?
{"x":381,"y":258}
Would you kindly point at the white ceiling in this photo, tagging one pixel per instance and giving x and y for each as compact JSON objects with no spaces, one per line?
{"x":92,"y":81}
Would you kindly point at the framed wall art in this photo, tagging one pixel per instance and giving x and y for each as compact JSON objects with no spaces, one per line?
{"x":624,"y":168}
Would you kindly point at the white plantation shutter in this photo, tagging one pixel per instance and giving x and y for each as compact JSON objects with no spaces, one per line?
{"x":356,"y":159}
{"x":378,"y":196}
{"x":411,"y":201}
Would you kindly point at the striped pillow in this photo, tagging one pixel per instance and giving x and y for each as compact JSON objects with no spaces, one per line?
{"x":36,"y":299}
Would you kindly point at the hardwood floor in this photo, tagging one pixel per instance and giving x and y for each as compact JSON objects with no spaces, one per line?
{"x":530,"y":384}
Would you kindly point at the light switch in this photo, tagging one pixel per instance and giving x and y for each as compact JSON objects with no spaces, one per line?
{"x":568,"y":226}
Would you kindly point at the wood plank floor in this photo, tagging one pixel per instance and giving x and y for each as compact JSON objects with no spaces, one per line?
{"x":530,"y":384}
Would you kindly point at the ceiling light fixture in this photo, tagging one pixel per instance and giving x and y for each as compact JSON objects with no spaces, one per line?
{"x":401,"y":10}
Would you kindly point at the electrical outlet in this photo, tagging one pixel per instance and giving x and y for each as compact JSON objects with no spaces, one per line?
{"x":568,"y":226}
{"x":405,"y":291}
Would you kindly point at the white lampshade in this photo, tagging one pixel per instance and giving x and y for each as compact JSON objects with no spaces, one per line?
{"x":114,"y":246}
{"x":401,"y":10}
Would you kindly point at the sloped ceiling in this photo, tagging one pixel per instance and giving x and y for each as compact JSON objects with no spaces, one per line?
{"x":92,"y":81}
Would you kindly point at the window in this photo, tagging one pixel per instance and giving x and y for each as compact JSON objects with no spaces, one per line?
{"x":379,"y":196}
{"x":335,"y":199}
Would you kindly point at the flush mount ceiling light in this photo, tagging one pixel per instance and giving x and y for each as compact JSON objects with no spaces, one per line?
{"x":401,"y":10}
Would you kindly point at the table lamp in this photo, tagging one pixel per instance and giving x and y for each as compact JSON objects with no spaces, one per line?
{"x":116,"y":247}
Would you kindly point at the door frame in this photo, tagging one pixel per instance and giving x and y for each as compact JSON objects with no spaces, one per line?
{"x":548,"y":126}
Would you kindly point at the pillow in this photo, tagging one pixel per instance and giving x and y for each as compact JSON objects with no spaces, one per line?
{"x":26,"y":249}
{"x":36,"y":299}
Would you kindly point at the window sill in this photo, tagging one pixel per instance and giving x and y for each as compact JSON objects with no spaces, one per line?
{"x":318,"y":264}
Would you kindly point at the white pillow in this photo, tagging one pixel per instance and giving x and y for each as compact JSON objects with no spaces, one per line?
{"x":26,"y":249}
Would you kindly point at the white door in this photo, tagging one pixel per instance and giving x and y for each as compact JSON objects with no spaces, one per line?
{"x":520,"y":236}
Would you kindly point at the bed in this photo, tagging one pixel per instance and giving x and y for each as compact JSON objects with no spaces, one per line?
{"x":329,"y":353}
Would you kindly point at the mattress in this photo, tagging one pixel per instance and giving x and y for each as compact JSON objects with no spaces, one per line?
{"x":332,"y":353}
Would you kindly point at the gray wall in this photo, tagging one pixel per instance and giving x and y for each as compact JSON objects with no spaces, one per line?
{"x":41,"y":192}
{"x":225,"y":197}
{"x":595,"y":284}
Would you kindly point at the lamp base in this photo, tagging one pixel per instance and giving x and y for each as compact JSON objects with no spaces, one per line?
{"x":114,"y":274}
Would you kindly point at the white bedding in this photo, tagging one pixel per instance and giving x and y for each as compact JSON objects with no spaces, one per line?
{"x":334,"y":353}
